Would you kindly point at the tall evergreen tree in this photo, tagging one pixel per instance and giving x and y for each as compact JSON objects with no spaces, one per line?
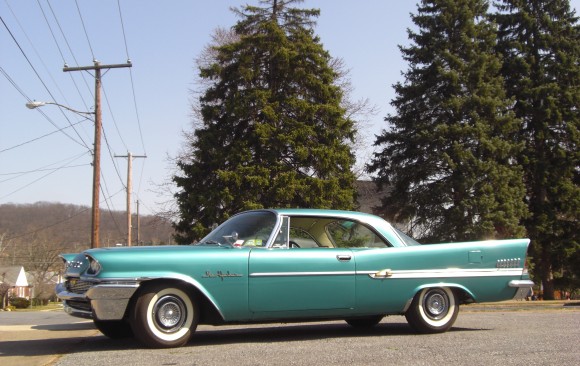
{"x":540,"y":41}
{"x":273,"y":132}
{"x":448,"y":152}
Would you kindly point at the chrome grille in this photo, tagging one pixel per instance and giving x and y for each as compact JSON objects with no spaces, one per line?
{"x":77,"y":286}
{"x":79,"y":305}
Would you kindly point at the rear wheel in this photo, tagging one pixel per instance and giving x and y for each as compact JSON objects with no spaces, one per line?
{"x":164,"y":316}
{"x":433,"y":310}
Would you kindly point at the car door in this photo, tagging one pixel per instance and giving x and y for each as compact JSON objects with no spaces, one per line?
{"x":301,"y":279}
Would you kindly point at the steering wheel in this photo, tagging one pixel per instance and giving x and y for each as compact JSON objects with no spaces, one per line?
{"x":293,"y":244}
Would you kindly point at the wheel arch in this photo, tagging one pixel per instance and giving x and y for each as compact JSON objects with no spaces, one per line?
{"x":210,"y":312}
{"x":463,"y":294}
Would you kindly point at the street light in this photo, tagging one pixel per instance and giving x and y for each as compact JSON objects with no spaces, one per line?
{"x":96,"y":214}
{"x":35,"y":104}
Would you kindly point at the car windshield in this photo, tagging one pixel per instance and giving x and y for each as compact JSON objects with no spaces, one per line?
{"x":246,"y":229}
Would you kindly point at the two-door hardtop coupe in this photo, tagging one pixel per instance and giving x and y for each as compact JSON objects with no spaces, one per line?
{"x":288,"y":265}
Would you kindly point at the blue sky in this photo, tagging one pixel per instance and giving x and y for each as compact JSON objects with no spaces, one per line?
{"x":146,"y":108}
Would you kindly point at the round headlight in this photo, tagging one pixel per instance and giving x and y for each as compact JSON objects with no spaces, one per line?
{"x":94,"y":266}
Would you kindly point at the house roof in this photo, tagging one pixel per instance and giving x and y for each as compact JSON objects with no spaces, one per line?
{"x":369,"y":196}
{"x":13,"y":275}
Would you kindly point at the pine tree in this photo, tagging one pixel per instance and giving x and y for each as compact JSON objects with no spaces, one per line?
{"x":448,"y":152}
{"x":273,"y":133}
{"x":540,"y":41}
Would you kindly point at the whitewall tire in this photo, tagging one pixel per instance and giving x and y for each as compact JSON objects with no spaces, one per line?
{"x":433,"y":310}
{"x":164,"y":316}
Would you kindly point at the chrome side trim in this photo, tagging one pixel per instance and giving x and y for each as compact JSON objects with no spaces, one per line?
{"x":447,"y":273}
{"x":300,"y":274}
{"x":394,"y":274}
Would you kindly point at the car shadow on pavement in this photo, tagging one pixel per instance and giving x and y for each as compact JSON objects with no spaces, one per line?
{"x":65,"y":327}
{"x":64,"y":345}
{"x":302,"y":332}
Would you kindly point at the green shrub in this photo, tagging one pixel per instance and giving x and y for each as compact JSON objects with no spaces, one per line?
{"x":19,"y":302}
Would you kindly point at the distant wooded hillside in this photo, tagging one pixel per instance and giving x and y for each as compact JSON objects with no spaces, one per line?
{"x":33,"y":236}
{"x":69,"y":226}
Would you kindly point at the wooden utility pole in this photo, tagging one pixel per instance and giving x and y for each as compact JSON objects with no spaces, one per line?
{"x":96,"y":215}
{"x":129,"y":157}
{"x":138,"y":225}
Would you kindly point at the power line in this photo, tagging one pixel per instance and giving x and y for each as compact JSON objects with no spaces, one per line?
{"x":50,"y":28}
{"x":85,"y":29}
{"x":41,"y":137}
{"x":113,"y":117}
{"x":46,"y":167}
{"x":52,"y":21}
{"x":11,"y":81}
{"x":123,"y":29}
{"x":73,"y":57}
{"x":134,"y":94}
{"x":97,"y":67}
{"x":36,"y":180}
{"x":110,"y":211}
{"x":37,"y":75}
{"x":34,"y":48}
{"x":60,"y":50}
{"x":36,"y":171}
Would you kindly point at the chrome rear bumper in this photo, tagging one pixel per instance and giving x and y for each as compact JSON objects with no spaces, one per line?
{"x":523,"y":286}
{"x":521,"y":283}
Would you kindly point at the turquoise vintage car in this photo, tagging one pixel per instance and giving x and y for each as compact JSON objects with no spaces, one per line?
{"x":288,"y":264}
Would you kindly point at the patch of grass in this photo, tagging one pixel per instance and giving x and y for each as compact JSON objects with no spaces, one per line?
{"x":52,"y":306}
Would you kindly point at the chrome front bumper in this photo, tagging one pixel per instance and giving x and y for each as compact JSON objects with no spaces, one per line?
{"x":102,"y":301}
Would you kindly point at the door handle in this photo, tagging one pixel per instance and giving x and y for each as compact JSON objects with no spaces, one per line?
{"x":384,"y":273}
{"x":343,"y":257}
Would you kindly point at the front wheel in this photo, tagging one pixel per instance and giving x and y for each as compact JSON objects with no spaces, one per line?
{"x":433,"y":310}
{"x":164,"y":316}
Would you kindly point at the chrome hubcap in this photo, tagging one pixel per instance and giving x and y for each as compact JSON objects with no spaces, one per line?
{"x":169,"y":313}
{"x":436,"y":304}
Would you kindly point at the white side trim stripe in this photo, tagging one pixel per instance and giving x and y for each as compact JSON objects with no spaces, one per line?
{"x":424,"y":273}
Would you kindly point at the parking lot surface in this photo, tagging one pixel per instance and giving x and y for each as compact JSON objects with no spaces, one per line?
{"x":506,"y":334}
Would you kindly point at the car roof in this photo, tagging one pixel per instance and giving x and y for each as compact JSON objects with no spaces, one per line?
{"x":323,"y":212}
{"x":378,"y":223}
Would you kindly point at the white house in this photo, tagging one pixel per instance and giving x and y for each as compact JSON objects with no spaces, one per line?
{"x":15,"y":278}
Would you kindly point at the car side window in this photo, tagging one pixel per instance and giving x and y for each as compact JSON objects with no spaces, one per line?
{"x":351,"y":234}
{"x":300,"y":238}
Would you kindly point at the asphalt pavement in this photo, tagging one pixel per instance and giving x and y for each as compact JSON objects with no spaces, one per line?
{"x":508,"y":333}
{"x":39,"y":338}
